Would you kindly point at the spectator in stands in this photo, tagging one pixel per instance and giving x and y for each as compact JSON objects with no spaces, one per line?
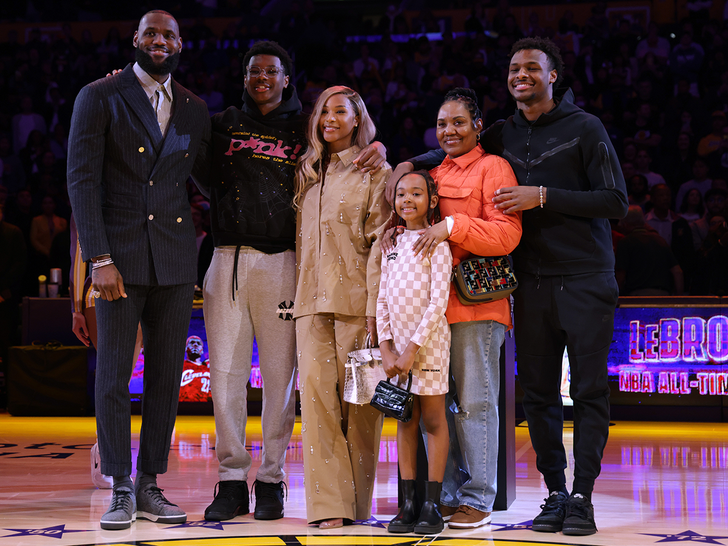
{"x":716,"y":200}
{"x":692,"y":206}
{"x":638,"y":192}
{"x":643,"y":160}
{"x":12,"y":173}
{"x":655,"y":44}
{"x":712,"y":141}
{"x":686,"y":60}
{"x":678,"y":161}
{"x":661,"y":217}
{"x":712,"y":262}
{"x":21,"y":214}
{"x":645,"y":265}
{"x":25,"y":122}
{"x":700,"y":180}
{"x":46,"y":226}
{"x":644,"y":130}
{"x":34,"y":149}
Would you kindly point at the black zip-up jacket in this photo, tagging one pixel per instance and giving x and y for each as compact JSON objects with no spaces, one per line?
{"x":568,"y":152}
{"x":253,"y":162}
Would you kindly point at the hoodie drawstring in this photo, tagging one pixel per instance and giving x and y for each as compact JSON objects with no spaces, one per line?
{"x":235,"y":270}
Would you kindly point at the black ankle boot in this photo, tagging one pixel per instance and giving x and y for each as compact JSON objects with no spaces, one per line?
{"x":404,"y":521}
{"x":430,"y":520}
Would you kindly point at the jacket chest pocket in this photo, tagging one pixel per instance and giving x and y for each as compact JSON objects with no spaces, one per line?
{"x":463,"y":200}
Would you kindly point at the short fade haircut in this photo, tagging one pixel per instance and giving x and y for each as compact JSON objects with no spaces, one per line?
{"x":160,"y":12}
{"x":551,"y":50}
{"x":269,"y":47}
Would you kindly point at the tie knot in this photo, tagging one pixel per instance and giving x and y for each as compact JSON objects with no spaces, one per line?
{"x":162,"y":92}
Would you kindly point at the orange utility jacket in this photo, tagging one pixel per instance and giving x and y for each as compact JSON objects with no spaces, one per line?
{"x":466,"y":186}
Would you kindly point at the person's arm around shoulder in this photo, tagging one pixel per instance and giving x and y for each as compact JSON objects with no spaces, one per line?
{"x":607,"y":197}
{"x":378,"y":212}
{"x":426,"y":161}
{"x":372,"y":158}
{"x":493,"y":233}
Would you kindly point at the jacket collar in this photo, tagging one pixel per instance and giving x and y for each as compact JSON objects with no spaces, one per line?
{"x":465,"y":160}
{"x":564,"y":106}
{"x":347,"y":156}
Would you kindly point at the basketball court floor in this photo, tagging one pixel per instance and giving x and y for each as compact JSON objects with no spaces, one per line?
{"x":660,"y":483}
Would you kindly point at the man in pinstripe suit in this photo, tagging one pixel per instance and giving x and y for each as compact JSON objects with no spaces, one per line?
{"x":135,"y":138}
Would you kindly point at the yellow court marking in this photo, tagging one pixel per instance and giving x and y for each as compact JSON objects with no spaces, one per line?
{"x":412,"y":541}
{"x":221,"y":541}
{"x":355,"y":540}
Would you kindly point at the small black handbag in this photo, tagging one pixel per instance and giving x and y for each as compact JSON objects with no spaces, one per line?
{"x":394,"y":401}
{"x":481,"y":279}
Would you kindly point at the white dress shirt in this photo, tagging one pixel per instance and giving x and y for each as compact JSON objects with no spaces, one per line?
{"x":160,"y":95}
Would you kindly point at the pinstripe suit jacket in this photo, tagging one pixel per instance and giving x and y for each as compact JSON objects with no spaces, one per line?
{"x":127,"y":182}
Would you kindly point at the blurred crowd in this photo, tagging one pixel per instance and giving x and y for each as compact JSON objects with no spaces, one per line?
{"x":661,"y":92}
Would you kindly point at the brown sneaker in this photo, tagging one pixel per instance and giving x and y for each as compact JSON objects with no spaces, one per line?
{"x":468,"y":517}
{"x":447,"y":511}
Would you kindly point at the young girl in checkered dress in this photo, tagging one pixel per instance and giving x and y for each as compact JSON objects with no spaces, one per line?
{"x":414,"y":336}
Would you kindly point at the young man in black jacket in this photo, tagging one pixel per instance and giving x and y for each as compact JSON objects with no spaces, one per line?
{"x":570,"y":184}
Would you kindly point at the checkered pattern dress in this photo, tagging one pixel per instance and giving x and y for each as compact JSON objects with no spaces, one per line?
{"x":413,"y":296}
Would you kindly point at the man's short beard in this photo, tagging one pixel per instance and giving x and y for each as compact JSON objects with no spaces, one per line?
{"x":150,"y":67}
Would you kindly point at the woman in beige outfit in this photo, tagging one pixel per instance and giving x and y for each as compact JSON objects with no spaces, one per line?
{"x":339,"y":212}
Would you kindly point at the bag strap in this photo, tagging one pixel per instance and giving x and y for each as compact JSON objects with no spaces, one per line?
{"x":409,"y":382}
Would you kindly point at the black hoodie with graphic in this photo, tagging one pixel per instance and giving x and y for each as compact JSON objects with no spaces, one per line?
{"x":253,"y":162}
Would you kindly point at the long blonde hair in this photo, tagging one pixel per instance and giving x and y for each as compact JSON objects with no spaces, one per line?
{"x":310,"y":164}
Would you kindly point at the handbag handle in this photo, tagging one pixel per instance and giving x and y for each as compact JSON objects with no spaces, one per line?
{"x":409,"y":382}
{"x":368,"y":342}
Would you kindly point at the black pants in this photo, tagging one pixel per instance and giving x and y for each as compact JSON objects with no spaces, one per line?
{"x":576,"y":312}
{"x":164,"y":313}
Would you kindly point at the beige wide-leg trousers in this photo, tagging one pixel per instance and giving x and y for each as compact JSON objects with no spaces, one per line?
{"x":340,"y":440}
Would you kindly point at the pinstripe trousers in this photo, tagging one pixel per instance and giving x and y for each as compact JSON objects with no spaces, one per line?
{"x":164,"y":313}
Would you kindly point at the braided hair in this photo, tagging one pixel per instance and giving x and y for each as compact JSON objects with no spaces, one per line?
{"x":467,"y":98}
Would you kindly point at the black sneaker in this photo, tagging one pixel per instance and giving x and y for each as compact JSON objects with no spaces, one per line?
{"x":268,"y":500}
{"x":579,"y":516}
{"x":231,"y":499}
{"x":553,"y":510}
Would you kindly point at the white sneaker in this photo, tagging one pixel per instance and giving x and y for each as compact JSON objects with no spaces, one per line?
{"x":99,"y":480}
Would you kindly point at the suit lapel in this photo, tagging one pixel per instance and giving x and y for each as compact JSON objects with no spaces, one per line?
{"x":134,"y":95}
{"x":179,"y":127}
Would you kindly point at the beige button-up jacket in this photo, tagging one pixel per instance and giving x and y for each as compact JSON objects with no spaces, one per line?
{"x":337,"y":243}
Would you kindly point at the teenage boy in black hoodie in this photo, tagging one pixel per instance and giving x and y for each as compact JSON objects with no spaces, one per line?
{"x":570,"y":185}
{"x":250,"y":286}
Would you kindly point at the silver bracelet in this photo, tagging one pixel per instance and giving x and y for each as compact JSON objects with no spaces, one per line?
{"x":102,"y":263}
{"x":540,"y":195}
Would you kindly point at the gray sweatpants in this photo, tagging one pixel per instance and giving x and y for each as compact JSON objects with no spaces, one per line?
{"x":262,"y":310}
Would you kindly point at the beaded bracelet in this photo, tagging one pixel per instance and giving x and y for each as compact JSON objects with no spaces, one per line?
{"x":540,"y":195}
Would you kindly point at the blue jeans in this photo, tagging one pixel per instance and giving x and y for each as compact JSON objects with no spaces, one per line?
{"x":471,"y":473}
